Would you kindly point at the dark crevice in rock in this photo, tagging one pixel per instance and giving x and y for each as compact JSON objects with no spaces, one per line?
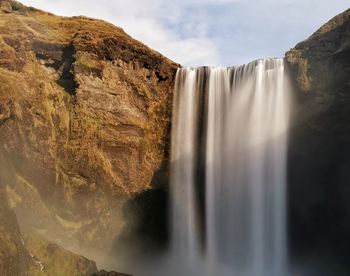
{"x":67,"y":79}
{"x":61,"y":58}
{"x":50,"y":53}
{"x":146,"y":65}
{"x":49,"y":62}
{"x":160,"y":77}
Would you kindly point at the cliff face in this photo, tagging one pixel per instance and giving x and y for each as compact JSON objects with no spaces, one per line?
{"x":319,"y":151}
{"x":84,"y":119}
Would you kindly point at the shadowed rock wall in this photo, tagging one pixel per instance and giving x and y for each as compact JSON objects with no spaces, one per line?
{"x":319,"y":151}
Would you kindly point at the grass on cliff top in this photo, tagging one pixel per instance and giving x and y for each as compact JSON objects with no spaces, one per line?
{"x":64,"y":28}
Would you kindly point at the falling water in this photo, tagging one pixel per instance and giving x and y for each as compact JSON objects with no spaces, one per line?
{"x":183,"y":153}
{"x":228,"y":168}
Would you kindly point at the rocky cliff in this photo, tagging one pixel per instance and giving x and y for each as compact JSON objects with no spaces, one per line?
{"x":84,"y":121}
{"x":319,"y":151}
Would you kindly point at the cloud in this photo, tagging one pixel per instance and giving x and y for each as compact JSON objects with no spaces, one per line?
{"x":208,"y":32}
{"x":145,"y":21}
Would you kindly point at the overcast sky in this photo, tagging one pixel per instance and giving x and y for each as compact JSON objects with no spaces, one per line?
{"x":208,"y":32}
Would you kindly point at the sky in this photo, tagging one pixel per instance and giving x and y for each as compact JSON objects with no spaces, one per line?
{"x":208,"y":32}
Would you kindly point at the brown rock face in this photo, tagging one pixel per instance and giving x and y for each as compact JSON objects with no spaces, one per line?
{"x":319,"y":152}
{"x":84,"y":119}
{"x":14,"y":259}
{"x":31,"y":255}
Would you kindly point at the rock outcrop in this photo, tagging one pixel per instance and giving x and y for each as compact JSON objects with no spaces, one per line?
{"x":319,"y":151}
{"x":31,"y":254}
{"x":110,"y":273}
{"x":84,"y":121}
{"x":50,"y":259}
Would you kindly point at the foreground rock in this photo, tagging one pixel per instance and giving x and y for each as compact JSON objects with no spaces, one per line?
{"x":111,"y":273}
{"x":14,"y":259}
{"x":84,"y":120}
{"x":32,"y":255}
{"x":319,"y":152}
{"x":50,"y":259}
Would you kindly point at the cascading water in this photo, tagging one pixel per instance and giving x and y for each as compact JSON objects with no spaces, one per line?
{"x":229,"y":139}
{"x":183,"y":153}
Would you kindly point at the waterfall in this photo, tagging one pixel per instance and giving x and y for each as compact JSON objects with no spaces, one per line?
{"x":183,"y":155}
{"x":228,"y":168}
